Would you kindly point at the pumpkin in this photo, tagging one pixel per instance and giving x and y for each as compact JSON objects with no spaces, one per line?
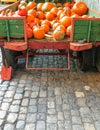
{"x":29,"y":18}
{"x":80,"y":8}
{"x":33,"y":12}
{"x":46,"y":22}
{"x":75,"y":16}
{"x":61,"y":27}
{"x":85,"y":16}
{"x":39,"y":6}
{"x":40,"y":15}
{"x":45,"y":27}
{"x":68,"y":30}
{"x":22,"y":11}
{"x":58,"y":34}
{"x":38,"y":32}
{"x":29,"y":32}
{"x":47,"y":6}
{"x":31,"y":24}
{"x":50,"y":16}
{"x":31,"y":5}
{"x":55,"y":25}
{"x":65,"y":21}
{"x":59,"y":13}
{"x":54,"y":10}
{"x":37,"y":21}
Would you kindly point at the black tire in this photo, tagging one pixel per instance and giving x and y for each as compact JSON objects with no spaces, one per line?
{"x":98,"y":58}
{"x":10,"y":57}
{"x":86,"y":59}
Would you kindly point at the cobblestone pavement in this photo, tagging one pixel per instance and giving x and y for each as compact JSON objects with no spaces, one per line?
{"x":50,"y":100}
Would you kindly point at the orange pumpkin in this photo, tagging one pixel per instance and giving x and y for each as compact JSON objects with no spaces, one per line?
{"x":29,"y":32}
{"x":29,"y":18}
{"x":68,"y":30}
{"x":54,"y":10}
{"x":37,"y":21}
{"x":45,"y":27}
{"x":38,"y":32}
{"x":65,"y":21}
{"x":55,"y":25}
{"x":40,"y":15}
{"x":39,"y":6}
{"x":80,"y":8}
{"x":31,"y":5}
{"x":50,"y":16}
{"x":47,"y":6}
{"x":61,"y":27}
{"x":58,"y":34}
{"x":33,"y":12}
{"x":46,"y":22}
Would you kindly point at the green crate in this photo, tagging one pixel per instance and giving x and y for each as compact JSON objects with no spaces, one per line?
{"x":12,"y":28}
{"x":86,"y":29}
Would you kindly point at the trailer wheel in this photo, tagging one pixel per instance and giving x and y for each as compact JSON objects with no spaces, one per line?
{"x":10,"y":56}
{"x":86,"y":59}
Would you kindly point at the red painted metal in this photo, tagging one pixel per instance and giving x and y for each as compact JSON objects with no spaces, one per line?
{"x":17,"y":46}
{"x":97,"y":43}
{"x":75,"y":46}
{"x":48,"y":45}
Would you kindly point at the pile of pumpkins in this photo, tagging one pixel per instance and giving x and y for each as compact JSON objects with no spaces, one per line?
{"x":43,"y":18}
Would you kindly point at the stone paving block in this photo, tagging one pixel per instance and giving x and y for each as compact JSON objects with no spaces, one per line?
{"x":60,"y":116}
{"x":16,"y":102}
{"x":52,"y":119}
{"x":2,"y":114}
{"x":68,"y":125}
{"x":27,"y":93}
{"x":12,"y":117}
{"x":40,"y":125}
{"x":5,"y":106}
{"x":33,"y":101}
{"x":22,"y":116}
{"x":42,"y":101}
{"x":20,"y":90}
{"x":76,"y":120}
{"x":51,"y":111}
{"x":51,"y":127}
{"x":2,"y":93}
{"x":32,"y":109}
{"x":30,"y":126}
{"x":20,"y":125}
{"x":89,"y":126}
{"x":31,"y":118}
{"x":42,"y":108}
{"x":14,"y":108}
{"x":1,"y":122}
{"x":51,"y":104}
{"x":34,"y":94}
{"x":78,"y":127}
{"x":18,"y":96}
{"x":9,"y":127}
{"x":60,"y":125}
{"x":23,"y":110}
{"x":97,"y":125}
{"x":25,"y":102}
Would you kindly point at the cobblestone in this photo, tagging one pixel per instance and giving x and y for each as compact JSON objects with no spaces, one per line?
{"x":12,"y":117}
{"x":49,"y":100}
{"x":9,"y":127}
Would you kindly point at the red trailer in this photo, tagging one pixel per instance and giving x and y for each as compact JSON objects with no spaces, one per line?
{"x":84,"y":42}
